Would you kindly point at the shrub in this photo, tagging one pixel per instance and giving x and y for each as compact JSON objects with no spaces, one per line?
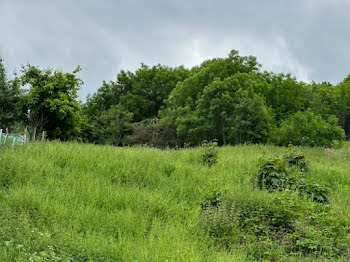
{"x":289,"y":173}
{"x":210,"y":153}
{"x":315,"y":191}
{"x":277,"y":225}
{"x":213,"y":199}
{"x":273,"y":174}
{"x":296,"y":159}
{"x":309,"y":129}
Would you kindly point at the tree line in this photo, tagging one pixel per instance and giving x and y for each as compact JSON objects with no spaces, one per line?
{"x":231,"y":100}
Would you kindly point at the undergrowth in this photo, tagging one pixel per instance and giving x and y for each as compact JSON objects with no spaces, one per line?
{"x":287,"y":217}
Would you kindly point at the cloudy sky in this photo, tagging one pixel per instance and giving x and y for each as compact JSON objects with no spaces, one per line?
{"x":308,"y":38}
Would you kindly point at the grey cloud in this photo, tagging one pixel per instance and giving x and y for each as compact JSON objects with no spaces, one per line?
{"x":307,"y":38}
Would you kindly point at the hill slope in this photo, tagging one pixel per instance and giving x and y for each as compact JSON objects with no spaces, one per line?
{"x":76,"y":202}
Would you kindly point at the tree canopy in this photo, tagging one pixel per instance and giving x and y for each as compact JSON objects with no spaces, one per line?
{"x":228,"y":99}
{"x":9,"y":99}
{"x":50,"y":103}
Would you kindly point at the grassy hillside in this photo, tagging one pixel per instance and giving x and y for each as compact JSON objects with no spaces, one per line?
{"x":77,"y":202}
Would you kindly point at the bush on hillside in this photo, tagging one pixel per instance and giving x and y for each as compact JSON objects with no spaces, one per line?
{"x":289,"y":173}
{"x":276,"y":226}
{"x":289,"y":217}
{"x":210,"y":152}
{"x":212,"y":199}
{"x":309,"y":129}
{"x":296,"y":159}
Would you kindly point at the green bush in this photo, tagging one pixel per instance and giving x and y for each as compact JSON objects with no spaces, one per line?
{"x":288,"y":219}
{"x":315,"y":191}
{"x":309,"y":129}
{"x":296,"y":159}
{"x":210,"y":153}
{"x":273,"y":174}
{"x":289,"y":172}
{"x":282,"y":173}
{"x":277,"y":226}
{"x":213,"y":199}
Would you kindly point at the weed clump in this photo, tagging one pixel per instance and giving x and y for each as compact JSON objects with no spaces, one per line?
{"x":210,"y":152}
{"x":296,"y":159}
{"x":290,"y":172}
{"x":213,"y":199}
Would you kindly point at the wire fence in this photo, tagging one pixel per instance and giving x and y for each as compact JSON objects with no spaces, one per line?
{"x":12,"y":140}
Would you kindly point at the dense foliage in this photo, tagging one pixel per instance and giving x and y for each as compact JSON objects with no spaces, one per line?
{"x":307,"y":128}
{"x":227,"y":99}
{"x":9,"y":100}
{"x":50,"y":103}
{"x":295,"y":219}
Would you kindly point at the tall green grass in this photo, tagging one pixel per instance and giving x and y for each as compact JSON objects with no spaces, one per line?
{"x":78,"y":202}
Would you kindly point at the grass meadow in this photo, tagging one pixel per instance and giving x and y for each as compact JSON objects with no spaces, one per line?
{"x":79,"y":202}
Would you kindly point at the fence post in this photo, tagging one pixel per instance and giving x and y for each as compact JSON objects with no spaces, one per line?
{"x":34,"y":134}
{"x":0,"y":136}
{"x":13,"y":142}
{"x":43,"y":137}
{"x":7,"y":134}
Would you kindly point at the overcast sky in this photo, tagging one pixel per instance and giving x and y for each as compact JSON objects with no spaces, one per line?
{"x":308,"y":38}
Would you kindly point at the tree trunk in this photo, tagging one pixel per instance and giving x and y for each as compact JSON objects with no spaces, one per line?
{"x":223,"y":131}
{"x":32,"y":133}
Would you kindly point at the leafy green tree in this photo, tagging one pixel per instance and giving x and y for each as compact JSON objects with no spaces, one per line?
{"x":285,"y":95}
{"x":184,"y":110}
{"x":51,"y":102}
{"x":141,"y":93}
{"x":330,"y":100}
{"x":229,"y":110}
{"x":216,"y":108}
{"x":252,"y":121}
{"x":112,"y":126}
{"x":342,"y":93}
{"x":187,"y":92}
{"x":324,"y":100}
{"x":309,"y":129}
{"x":10,"y":96}
{"x":190,"y":127}
{"x":234,"y":116}
{"x":150,"y":87}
